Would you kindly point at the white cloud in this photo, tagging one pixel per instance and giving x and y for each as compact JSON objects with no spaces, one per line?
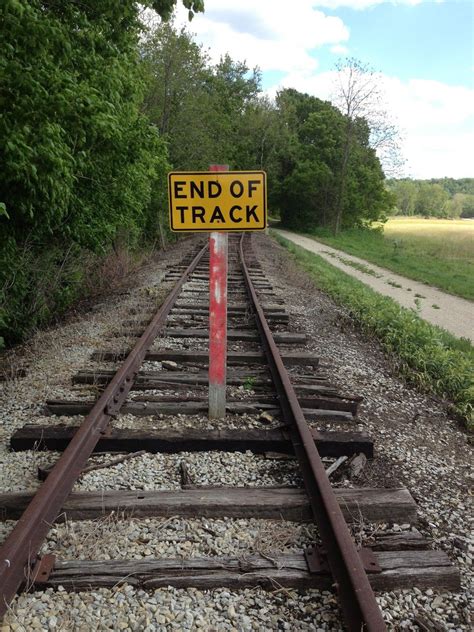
{"x":338,"y":49}
{"x":436,"y":120}
{"x":263,"y":36}
{"x":362,"y":4}
{"x":439,"y":126}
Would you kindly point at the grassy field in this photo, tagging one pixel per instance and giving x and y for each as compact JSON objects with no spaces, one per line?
{"x":435,"y":251}
{"x":425,"y":355}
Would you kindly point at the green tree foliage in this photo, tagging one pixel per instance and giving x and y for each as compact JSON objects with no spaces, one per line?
{"x":97,"y":110}
{"x":175,"y":99}
{"x":200,"y":109}
{"x":431,"y":200}
{"x":465,"y":204}
{"x":310,"y":165}
{"x":453,"y":186}
{"x":444,"y":197}
{"x":79,"y":160}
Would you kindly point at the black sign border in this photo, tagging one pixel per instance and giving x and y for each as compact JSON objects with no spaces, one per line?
{"x":217,"y":230}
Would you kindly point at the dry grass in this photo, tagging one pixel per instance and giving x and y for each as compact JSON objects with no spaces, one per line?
{"x":277,"y":537}
{"x":447,"y":239}
{"x":91,"y":537}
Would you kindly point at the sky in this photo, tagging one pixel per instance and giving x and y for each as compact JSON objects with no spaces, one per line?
{"x":423,"y":50}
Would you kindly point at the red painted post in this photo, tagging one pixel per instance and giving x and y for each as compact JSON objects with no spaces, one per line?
{"x":217,"y":319}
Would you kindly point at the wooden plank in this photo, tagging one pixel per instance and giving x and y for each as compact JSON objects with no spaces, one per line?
{"x":234,"y":305}
{"x":232,"y":334}
{"x":148,"y":380}
{"x":146,"y":406}
{"x":202,"y":357}
{"x":400,"y":569}
{"x":173,"y":440}
{"x":204,"y":311}
{"x":403,"y":541}
{"x":277,"y":503}
{"x":274,"y":317}
{"x":190,"y":315}
{"x":311,"y":402}
{"x":150,"y":407}
{"x":234,"y":291}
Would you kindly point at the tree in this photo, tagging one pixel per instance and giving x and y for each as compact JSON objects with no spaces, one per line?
{"x":176,"y":99}
{"x":79,"y":159}
{"x":198,"y":108}
{"x":358,"y":96}
{"x":432,"y":200}
{"x":467,"y":204}
{"x":406,"y":192}
{"x":310,"y":163}
{"x":233,"y":90}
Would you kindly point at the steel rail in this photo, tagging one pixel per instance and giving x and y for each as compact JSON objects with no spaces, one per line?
{"x":19,"y":552}
{"x":358,"y":604}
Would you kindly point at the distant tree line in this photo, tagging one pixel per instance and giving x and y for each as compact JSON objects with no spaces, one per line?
{"x":443,"y":197}
{"x":97,"y":109}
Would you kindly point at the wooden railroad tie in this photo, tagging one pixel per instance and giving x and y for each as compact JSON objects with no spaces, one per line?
{"x":405,"y":559}
{"x":276,"y":503}
{"x":232,"y":335}
{"x":150,"y":407}
{"x":174,"y":440}
{"x":202,"y":357}
{"x":398,"y":569}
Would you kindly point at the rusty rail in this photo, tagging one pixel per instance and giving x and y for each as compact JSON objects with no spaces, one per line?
{"x":358,"y":604}
{"x":19,"y":552}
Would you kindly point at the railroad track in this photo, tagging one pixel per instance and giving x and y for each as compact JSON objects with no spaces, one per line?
{"x":270,"y":379}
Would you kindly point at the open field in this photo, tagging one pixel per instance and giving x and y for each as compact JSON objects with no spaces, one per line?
{"x":435,"y":251}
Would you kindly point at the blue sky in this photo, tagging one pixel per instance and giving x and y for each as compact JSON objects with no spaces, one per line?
{"x":422,"y":49}
{"x":431,"y":40}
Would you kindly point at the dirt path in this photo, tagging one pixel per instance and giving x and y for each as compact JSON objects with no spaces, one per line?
{"x":454,"y":314}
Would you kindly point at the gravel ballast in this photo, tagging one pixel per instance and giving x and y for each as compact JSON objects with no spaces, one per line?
{"x":417,"y":444}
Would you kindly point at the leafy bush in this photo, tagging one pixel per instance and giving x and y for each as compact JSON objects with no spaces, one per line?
{"x":80,"y":162}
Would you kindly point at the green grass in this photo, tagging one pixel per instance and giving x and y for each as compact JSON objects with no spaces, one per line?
{"x":437,"y":252}
{"x":362,"y":267}
{"x":426,"y":356}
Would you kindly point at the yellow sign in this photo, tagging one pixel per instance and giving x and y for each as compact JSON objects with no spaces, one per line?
{"x":217,"y":200}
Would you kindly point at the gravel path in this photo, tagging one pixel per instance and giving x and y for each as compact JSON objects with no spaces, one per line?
{"x":453,"y":313}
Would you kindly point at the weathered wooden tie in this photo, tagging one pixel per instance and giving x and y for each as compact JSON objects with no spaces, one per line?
{"x":202,"y":357}
{"x":232,"y":335}
{"x":277,"y":503}
{"x":398,"y":569}
{"x":173,"y":440}
{"x":147,"y":408}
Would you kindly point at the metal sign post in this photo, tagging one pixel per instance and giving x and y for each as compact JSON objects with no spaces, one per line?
{"x":217,"y":319}
{"x":217,"y":203}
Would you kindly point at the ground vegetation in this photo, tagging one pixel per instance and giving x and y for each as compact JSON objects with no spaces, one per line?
{"x":425,"y":355}
{"x":435,"y":251}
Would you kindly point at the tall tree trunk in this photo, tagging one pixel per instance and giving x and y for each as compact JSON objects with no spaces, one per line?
{"x":343,"y":178}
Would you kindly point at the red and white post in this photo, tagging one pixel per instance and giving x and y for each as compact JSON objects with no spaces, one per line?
{"x":217,"y":319}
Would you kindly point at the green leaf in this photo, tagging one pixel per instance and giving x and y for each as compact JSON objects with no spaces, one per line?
{"x":3,"y":210}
